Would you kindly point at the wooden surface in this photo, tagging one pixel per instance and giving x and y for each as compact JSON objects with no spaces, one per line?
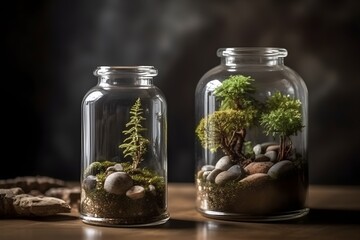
{"x":334,"y":214}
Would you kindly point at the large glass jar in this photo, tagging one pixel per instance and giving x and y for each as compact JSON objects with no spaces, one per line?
{"x":251,"y":138}
{"x":124,"y":149}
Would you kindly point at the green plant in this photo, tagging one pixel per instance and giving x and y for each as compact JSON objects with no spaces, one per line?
{"x":226,"y":128}
{"x":282,"y":118}
{"x":236,"y":92}
{"x":135,"y":145}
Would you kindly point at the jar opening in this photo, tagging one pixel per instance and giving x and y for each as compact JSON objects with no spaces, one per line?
{"x":252,"y":51}
{"x":145,"y":71}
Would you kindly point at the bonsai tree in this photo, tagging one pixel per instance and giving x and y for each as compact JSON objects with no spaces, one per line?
{"x":226,"y":128}
{"x":282,"y":119}
{"x":135,"y":145}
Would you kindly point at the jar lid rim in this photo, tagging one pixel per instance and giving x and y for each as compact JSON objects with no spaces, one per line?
{"x":141,"y":70}
{"x":252,"y":51}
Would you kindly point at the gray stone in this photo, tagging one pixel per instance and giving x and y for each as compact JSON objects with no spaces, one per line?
{"x":89,"y":183}
{"x":265,"y":145}
{"x":116,"y":168}
{"x":212,"y":175}
{"x":282,"y":169}
{"x":207,"y":167}
{"x":224,"y":163}
{"x":118,"y":183}
{"x":273,"y":148}
{"x":272,"y":155}
{"x":225,"y":176}
{"x":237,"y":169}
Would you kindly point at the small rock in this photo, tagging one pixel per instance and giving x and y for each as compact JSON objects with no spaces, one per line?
{"x":116,"y":168}
{"x":258,"y":167}
{"x":207,"y":167}
{"x":118,"y":183}
{"x":257,"y":149}
{"x":265,"y":145}
{"x":273,"y":148}
{"x":282,"y":169}
{"x":205,"y":174}
{"x":237,"y":169}
{"x":136,"y":192}
{"x":89,"y":183}
{"x":224,"y":163}
{"x":272,"y":155}
{"x":212,"y":175}
{"x":225,"y":176}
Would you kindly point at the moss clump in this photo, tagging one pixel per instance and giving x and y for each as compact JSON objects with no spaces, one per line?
{"x":97,"y":167}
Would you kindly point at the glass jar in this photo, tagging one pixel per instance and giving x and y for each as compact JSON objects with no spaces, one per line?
{"x":251,"y":138}
{"x":124,"y":149}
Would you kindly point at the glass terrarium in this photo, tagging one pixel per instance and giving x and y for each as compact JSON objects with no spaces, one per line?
{"x":124,"y":149}
{"x":251,"y":138}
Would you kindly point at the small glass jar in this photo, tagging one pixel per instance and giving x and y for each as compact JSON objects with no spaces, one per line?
{"x":124,"y":149}
{"x":251,"y":114}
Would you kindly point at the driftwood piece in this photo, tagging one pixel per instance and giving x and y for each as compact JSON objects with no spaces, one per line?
{"x":32,"y":183}
{"x":15,"y":203}
{"x":71,"y":195}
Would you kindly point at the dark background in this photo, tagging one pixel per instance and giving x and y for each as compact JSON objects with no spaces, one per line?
{"x":50,"y":49}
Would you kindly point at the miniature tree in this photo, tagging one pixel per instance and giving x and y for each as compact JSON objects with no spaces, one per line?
{"x":135,"y":145}
{"x":283,"y":119}
{"x":226,"y":128}
{"x":236,"y":93}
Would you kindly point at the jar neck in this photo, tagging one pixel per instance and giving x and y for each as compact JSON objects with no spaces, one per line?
{"x":252,"y":56}
{"x":125,"y":75}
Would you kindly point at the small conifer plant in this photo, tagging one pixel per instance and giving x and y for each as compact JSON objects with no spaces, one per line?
{"x":135,"y":145}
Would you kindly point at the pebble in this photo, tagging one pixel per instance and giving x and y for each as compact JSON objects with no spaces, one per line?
{"x":212,"y":175}
{"x":136,"y":192}
{"x":207,"y":167}
{"x":281,"y":169}
{"x":233,"y":173}
{"x":272,"y":155}
{"x":224,"y":163}
{"x":89,"y":183}
{"x":273,"y":148}
{"x":118,"y":183}
{"x":116,"y":168}
{"x":225,"y":176}
{"x":258,"y":167}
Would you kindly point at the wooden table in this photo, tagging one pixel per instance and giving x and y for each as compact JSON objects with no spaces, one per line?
{"x":334,"y":214}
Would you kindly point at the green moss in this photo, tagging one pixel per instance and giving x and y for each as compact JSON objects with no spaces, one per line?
{"x":97,"y":167}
